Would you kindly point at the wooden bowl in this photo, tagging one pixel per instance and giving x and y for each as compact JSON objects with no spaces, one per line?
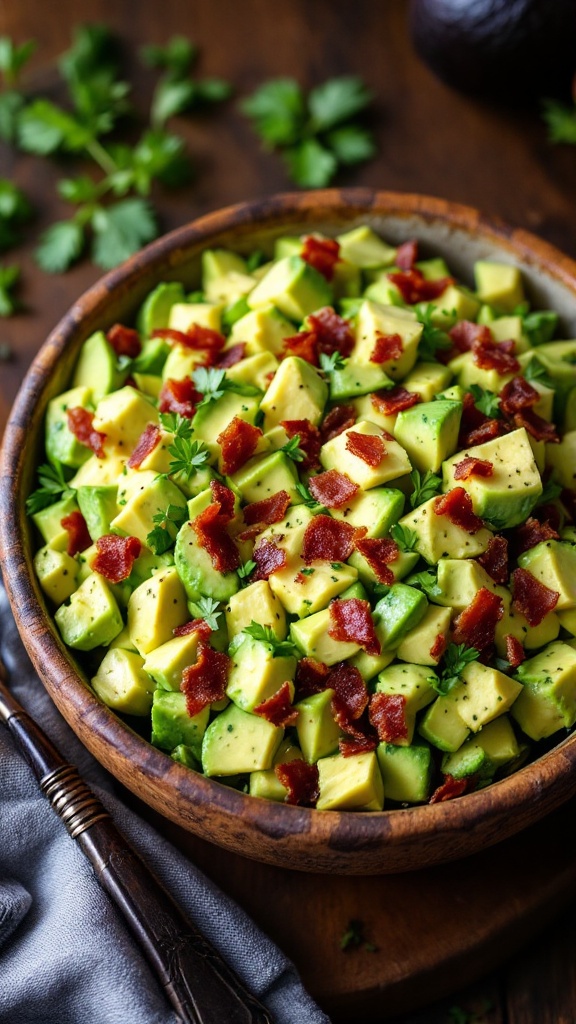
{"x":291,"y":837}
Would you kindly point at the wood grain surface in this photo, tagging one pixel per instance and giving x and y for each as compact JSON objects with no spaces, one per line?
{"x":434,"y":141}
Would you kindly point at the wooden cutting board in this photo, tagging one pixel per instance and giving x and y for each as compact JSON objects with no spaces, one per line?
{"x":434,"y":931}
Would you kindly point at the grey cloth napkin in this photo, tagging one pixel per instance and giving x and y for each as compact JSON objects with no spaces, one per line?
{"x":66,"y":956}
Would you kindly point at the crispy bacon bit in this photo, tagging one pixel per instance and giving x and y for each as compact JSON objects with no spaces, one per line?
{"x":304,"y":345}
{"x":333,"y":332}
{"x":407,"y":254}
{"x":476,"y":427}
{"x":451,"y":788}
{"x":81,"y":424}
{"x":351,"y":622}
{"x":394,"y":400}
{"x":194,"y":626}
{"x":78,"y":537}
{"x":231,"y":356}
{"x":210,"y":528}
{"x":495,"y":559}
{"x":472,"y":467}
{"x":145,"y":444}
{"x":387,"y":348}
{"x":456,"y":505}
{"x":124,"y":340}
{"x":301,"y":781}
{"x":538,"y":427}
{"x":322,"y":254}
{"x":531,"y":598}
{"x":238,"y":442}
{"x":360,"y":743}
{"x":328,"y":539}
{"x":414,"y":287}
{"x":196,"y":337}
{"x":516,"y":395}
{"x":340,"y":418}
{"x":205,"y":682}
{"x":311,"y":677}
{"x":368,"y":447}
{"x":388,"y":716}
{"x":515,"y":653}
{"x":116,"y":556}
{"x":379,"y":552}
{"x":269,"y":510}
{"x":496,"y":355}
{"x":438,"y":647}
{"x":350,"y":695}
{"x":532,"y":533}
{"x":277,"y":709}
{"x":179,"y":396}
{"x":466,"y":334}
{"x":332,"y":489}
{"x":268,"y":558}
{"x":476,"y":625}
{"x":310,"y":440}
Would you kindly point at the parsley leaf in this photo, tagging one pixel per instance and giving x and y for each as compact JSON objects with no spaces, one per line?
{"x":351,"y":144}
{"x":405,"y":538}
{"x":188,"y":456}
{"x":561,"y":121}
{"x":15,"y":210}
{"x":425,"y":487}
{"x":206,"y":608}
{"x":121,"y":230}
{"x":246,"y":570}
{"x":60,"y":246}
{"x":485,"y":400}
{"x":266,"y":635}
{"x":9,"y":277}
{"x":353,"y":938}
{"x":292,"y":449}
{"x":337,"y":100}
{"x":168,"y":521}
{"x":53,"y":486}
{"x":433,"y":339}
{"x":535,"y":370}
{"x":213,"y":383}
{"x":13,"y":58}
{"x":455,"y":659}
{"x":425,"y":581}
{"x":278,"y":109}
{"x":176,"y":92}
{"x":310,"y":164}
{"x":540,"y":326}
{"x":333,"y":362}
{"x":309,"y":499}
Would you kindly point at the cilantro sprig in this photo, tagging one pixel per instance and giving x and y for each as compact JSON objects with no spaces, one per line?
{"x":561,"y":120}
{"x":426,"y":581}
{"x":535,"y":370}
{"x":540,"y":326}
{"x":168,"y":521}
{"x":245,"y":571}
{"x":425,"y":487}
{"x":405,"y":538}
{"x":332,"y":363}
{"x":53,"y":486}
{"x":266,"y":635}
{"x":308,"y":498}
{"x":434,"y":339}
{"x":13,"y":59}
{"x":207,"y":608}
{"x":213,"y":383}
{"x":9,"y":280}
{"x":177,"y":92}
{"x":316,"y":133}
{"x":486,"y":401}
{"x":455,"y":659}
{"x":293,"y":450}
{"x":188,"y":456}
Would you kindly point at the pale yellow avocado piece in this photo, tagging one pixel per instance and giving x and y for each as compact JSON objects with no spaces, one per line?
{"x":459,"y":580}
{"x":429,"y":432}
{"x":453,"y":300}
{"x":288,"y":534}
{"x":467,"y":372}
{"x":427,"y":380}
{"x":145,"y":494}
{"x":568,"y":620}
{"x":553,"y":563}
{"x":363,"y":247}
{"x":412,"y":682}
{"x":257,"y":603}
{"x":122,"y":416}
{"x":123,"y":640}
{"x":483,"y":694}
{"x":266,"y":475}
{"x":262,"y":330}
{"x":442,"y":726}
{"x":311,"y":636}
{"x":100,"y":472}
{"x":185,"y":315}
{"x":257,"y":369}
{"x":122,"y":683}
{"x":237,"y":742}
{"x":350,"y":783}
{"x":181,"y":362}
{"x":166,"y":663}
{"x":318,"y":732}
{"x":150,"y":384}
{"x":155,"y":608}
{"x":367,"y":410}
{"x":374,"y":320}
{"x":438,"y":537}
{"x":92,"y":619}
{"x":255,"y":674}
{"x":225,"y":276}
{"x":266,"y":783}
{"x":548,"y":698}
{"x":297,"y":392}
{"x":498,"y":284}
{"x":369,"y":665}
{"x":511,"y":328}
{"x":418,"y":644}
{"x":294,"y":287}
{"x":335,"y":455}
{"x":56,"y":572}
{"x":494,"y":746}
{"x":562,"y":460}
{"x":304,"y":589}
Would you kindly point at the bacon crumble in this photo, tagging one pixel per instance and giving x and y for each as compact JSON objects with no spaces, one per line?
{"x":301,"y":780}
{"x":145,"y":445}
{"x":332,"y":489}
{"x":531,"y":533}
{"x":268,"y":511}
{"x":394,"y":400}
{"x":77,"y":529}
{"x":451,"y":788}
{"x":388,"y":716}
{"x":322,"y":254}
{"x":269,"y":559}
{"x":115,"y":556}
{"x":311,"y":677}
{"x":328,"y":539}
{"x":471,"y":466}
{"x":210,"y":527}
{"x":194,"y":626}
{"x":368,"y":447}
{"x":238,"y":442}
{"x":179,"y":396}
{"x":495,"y":559}
{"x":205,"y":682}
{"x":379,"y":552}
{"x":277,"y":709}
{"x":531,"y":598}
{"x":339,"y":419}
{"x":387,"y":348}
{"x":456,"y":505}
{"x":476,"y":625}
{"x":81,"y":424}
{"x":407,"y":254}
{"x":351,"y":622}
{"x":515,"y":653}
{"x":414,"y":287}
{"x":310,"y":440}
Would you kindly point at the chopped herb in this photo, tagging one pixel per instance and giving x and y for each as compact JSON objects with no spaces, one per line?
{"x":188,"y":456}
{"x":434,"y":339}
{"x":486,"y":401}
{"x":309,"y":499}
{"x":266,"y":635}
{"x":425,"y":581}
{"x":15,"y":210}
{"x":455,"y":659}
{"x":405,"y":538}
{"x":53,"y":486}
{"x":168,"y":521}
{"x":246,"y":569}
{"x":425,"y":487}
{"x":561,"y":121}
{"x":353,"y":938}
{"x":292,"y":449}
{"x":309,"y":571}
{"x":9,"y":277}
{"x":212,"y":384}
{"x":336,"y":565}
{"x":176,"y":91}
{"x":331,"y":363}
{"x":535,"y":370}
{"x":206,"y":608}
{"x":540,"y":326}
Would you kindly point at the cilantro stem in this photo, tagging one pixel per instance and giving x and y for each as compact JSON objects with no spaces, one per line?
{"x":96,"y":150}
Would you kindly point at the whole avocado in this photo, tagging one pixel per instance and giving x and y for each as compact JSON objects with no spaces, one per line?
{"x":511,"y":50}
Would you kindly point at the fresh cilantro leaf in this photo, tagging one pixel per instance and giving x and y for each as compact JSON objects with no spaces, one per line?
{"x":157,"y":156}
{"x":213,"y":383}
{"x":336,"y":101}
{"x":434,"y":339}
{"x":212,"y":90}
{"x":333,"y":362}
{"x":187,"y":456}
{"x":246,"y":569}
{"x":540,"y":326}
{"x":351,"y":144}
{"x":120,"y":230}
{"x":405,"y":538}
{"x":11,"y":104}
{"x":292,"y":449}
{"x":309,"y":499}
{"x":253,"y":261}
{"x":485,"y":400}
{"x":13,"y":58}
{"x":535,"y":370}
{"x":159,"y":540}
{"x":53,"y":486}
{"x":278,"y":110}
{"x":177,"y":57}
{"x":425,"y":581}
{"x":310,"y":164}
{"x":78,"y":190}
{"x":176,"y":424}
{"x":9,"y":277}
{"x":561,"y":121}
{"x":44,"y":128}
{"x":171,"y":98}
{"x":455,"y":659}
{"x":266,"y":635}
{"x":176,"y":92}
{"x":15,"y":210}
{"x":207,"y":608}
{"x":60,"y":246}
{"x":425,"y":487}
{"x":175,"y":514}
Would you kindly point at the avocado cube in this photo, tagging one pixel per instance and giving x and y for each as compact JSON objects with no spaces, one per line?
{"x":420,"y":645}
{"x":395,"y":463}
{"x":92,"y":619}
{"x":433,"y":269}
{"x":297,"y":392}
{"x":151,"y":360}
{"x":49,"y":521}
{"x":97,"y":472}
{"x":547,"y":701}
{"x":304,"y":589}
{"x":173,"y":726}
{"x":61,"y":444}
{"x":553,"y":563}
{"x":312,"y":638}
{"x":483,"y":694}
{"x":265,"y":475}
{"x":460,"y":579}
{"x":195,"y":568}
{"x":97,"y":367}
{"x":493,"y":747}
{"x":155,"y":608}
{"x":155,"y":311}
{"x":98,"y":505}
{"x":212,"y":419}
{"x":397,"y":613}
{"x":225,"y":276}
{"x":255,"y":369}
{"x":257,"y":603}
{"x":186,"y":315}
{"x":122,"y":683}
{"x":288,"y":534}
{"x":413,"y":683}
{"x":375,"y":320}
{"x":382,"y":291}
{"x":167,"y":662}
{"x":498,"y":284}
{"x":369,"y":665}
{"x":439,"y":537}
{"x":442,"y":726}
{"x":400,"y":567}
{"x":56,"y":572}
{"x":262,"y":330}
{"x":562,"y":460}
{"x":453,"y":299}
{"x":568,"y":620}
{"x":122,"y":417}
{"x":406,"y":772}
{"x":237,"y":742}
{"x":427,"y":380}
{"x":356,"y":379}
{"x":255,"y":674}
{"x":363,"y":247}
{"x":266,"y":784}
{"x":318,"y":732}
{"x":376,"y":509}
{"x":294,"y":287}
{"x":429,"y":432}
{"x":181,"y":362}
{"x":350,"y":783}
{"x":511,"y":328}
{"x":140,"y":499}
{"x":468,"y":372}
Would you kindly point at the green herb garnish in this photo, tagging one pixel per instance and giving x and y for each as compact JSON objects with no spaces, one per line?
{"x":246,"y":569}
{"x":177,"y":92}
{"x":455,"y":659}
{"x":212,"y":384}
{"x":266,"y":635}
{"x":333,"y":362}
{"x":535,"y":370}
{"x":405,"y":538}
{"x":540,"y":326}
{"x":425,"y":581}
{"x":434,"y":339}
{"x":425,"y":487}
{"x":188,"y":456}
{"x":168,"y":521}
{"x":292,"y":449}
{"x":53,"y":486}
{"x":561,"y":121}
{"x":207,"y":608}
{"x":486,"y":401}
{"x":9,"y":278}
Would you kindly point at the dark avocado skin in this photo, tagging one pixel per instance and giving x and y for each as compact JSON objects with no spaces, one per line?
{"x":514,"y":51}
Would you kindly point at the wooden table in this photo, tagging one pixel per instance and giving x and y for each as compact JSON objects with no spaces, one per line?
{"x":431,"y":140}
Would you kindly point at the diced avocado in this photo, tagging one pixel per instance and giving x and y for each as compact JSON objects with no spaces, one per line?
{"x":294,"y":287}
{"x":562,"y":460}
{"x":483,"y":694}
{"x":184,"y":755}
{"x":144,"y":495}
{"x":257,"y":369}
{"x":304,"y":589}
{"x":265,"y":475}
{"x":147,"y":564}
{"x":181,"y":362}
{"x":454,"y":301}
{"x":442,"y":725}
{"x":459,"y":580}
{"x":553,"y":563}
{"x":467,"y":372}
{"x":498,"y":284}
{"x":404,"y":563}
{"x":185,"y":315}
{"x":98,"y":505}
{"x":318,"y":732}
{"x":375,"y":320}
{"x":375,"y":509}
{"x":427,"y":380}
{"x":237,"y":742}
{"x":399,"y":611}
{"x":150,"y":384}
{"x":357,"y":379}
{"x":312,"y":638}
{"x":155,"y":311}
{"x":151,"y":359}
{"x":369,"y":665}
{"x":383,"y":291}
{"x":61,"y":444}
{"x":266,"y":784}
{"x":395,"y":463}
{"x":424,"y":645}
{"x":172,"y":725}
{"x":365,"y":248}
{"x":507,"y":497}
{"x":167,"y":662}
{"x":433,"y":269}
{"x":429,"y":432}
{"x":439,"y":537}
{"x":122,"y":417}
{"x":123,"y":641}
{"x":196,"y":570}
{"x":298,"y":392}
{"x":547,"y":701}
{"x":122,"y":683}
{"x":92,"y":619}
{"x":97,"y":472}
{"x":49,"y":521}
{"x":56,"y":572}
{"x":97,"y":367}
{"x":262,"y":330}
{"x":155,"y":608}
{"x":568,"y":620}
{"x":210,"y":420}
{"x":413,"y":683}
{"x":406,"y":772}
{"x":511,"y":328}
{"x":255,"y":674}
{"x":257,"y":603}
{"x":288,"y":534}
{"x":350,"y":783}
{"x":482,"y":755}
{"x":225,"y":276}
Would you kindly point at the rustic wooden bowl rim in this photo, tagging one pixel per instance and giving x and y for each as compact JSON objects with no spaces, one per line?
{"x":540,"y":786}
